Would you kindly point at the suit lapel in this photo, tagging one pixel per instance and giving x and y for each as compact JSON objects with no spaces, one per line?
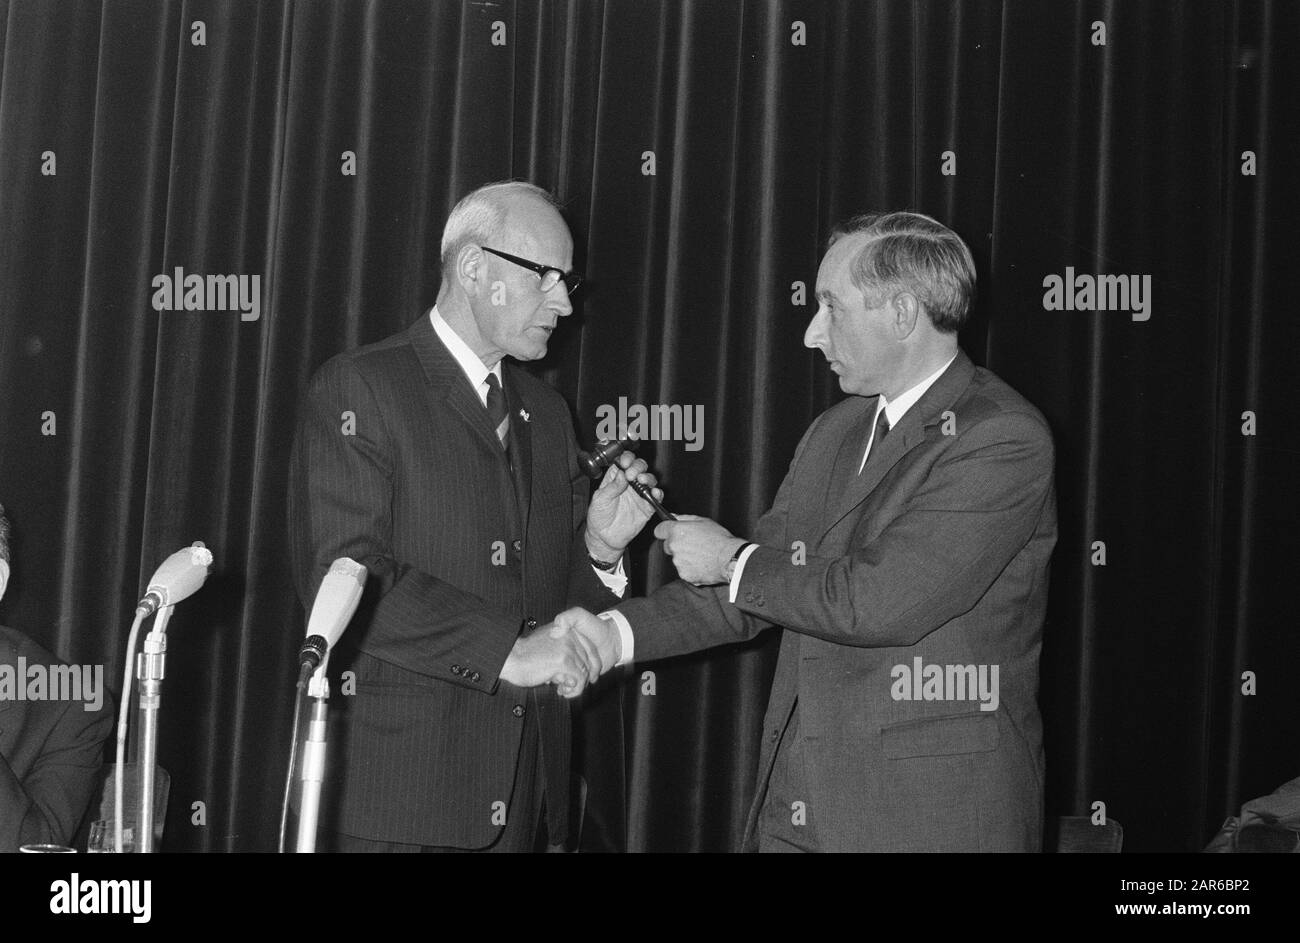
{"x":910,"y":432}
{"x":884,"y":456}
{"x":450,"y":383}
{"x":844,"y":472}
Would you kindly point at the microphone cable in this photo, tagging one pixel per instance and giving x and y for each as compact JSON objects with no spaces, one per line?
{"x":123,"y":712}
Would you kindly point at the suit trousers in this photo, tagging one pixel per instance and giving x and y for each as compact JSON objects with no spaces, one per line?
{"x":525,"y":828}
{"x":783,"y":826}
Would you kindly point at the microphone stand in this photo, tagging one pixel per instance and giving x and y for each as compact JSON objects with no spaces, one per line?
{"x":150,"y":669}
{"x":313,"y":761}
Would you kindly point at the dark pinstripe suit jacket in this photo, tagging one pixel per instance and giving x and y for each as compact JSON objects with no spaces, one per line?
{"x":938,"y":551}
{"x":396,"y":465}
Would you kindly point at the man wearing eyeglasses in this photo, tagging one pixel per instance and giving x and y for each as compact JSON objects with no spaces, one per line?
{"x":452,"y":474}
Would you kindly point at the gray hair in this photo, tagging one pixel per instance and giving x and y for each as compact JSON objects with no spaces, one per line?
{"x":918,"y":254}
{"x":480,"y":218}
{"x":4,"y":535}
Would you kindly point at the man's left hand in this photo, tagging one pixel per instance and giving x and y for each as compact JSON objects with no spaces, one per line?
{"x":701,"y":549}
{"x":617,"y":513}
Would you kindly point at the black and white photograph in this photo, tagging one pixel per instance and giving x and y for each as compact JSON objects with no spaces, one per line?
{"x":651,"y":426}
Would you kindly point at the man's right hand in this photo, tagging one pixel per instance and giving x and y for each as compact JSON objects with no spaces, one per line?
{"x":599,"y":638}
{"x":542,"y":657}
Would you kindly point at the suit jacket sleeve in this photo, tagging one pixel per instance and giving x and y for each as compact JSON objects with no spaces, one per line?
{"x":977,"y":508}
{"x":586,"y":589}
{"x":45,"y":802}
{"x":340,"y":506}
{"x":680,"y":618}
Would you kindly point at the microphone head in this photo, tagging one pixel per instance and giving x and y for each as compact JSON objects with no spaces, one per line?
{"x":314,"y":651}
{"x":337,"y":599}
{"x":180,"y":575}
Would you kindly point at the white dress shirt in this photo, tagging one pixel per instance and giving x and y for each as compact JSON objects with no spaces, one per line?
{"x":468,"y":360}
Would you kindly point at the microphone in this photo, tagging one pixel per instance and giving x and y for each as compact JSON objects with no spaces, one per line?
{"x":179,"y":577}
{"x":336,"y":601}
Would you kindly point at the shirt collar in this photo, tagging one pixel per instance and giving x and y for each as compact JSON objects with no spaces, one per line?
{"x":895,"y":410}
{"x":469,"y":361}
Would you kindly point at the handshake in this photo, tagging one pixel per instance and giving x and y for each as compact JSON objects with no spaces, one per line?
{"x":571,"y":652}
{"x":578,"y":647}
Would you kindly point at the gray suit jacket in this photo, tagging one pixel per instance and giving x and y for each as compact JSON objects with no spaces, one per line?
{"x":938,"y":551}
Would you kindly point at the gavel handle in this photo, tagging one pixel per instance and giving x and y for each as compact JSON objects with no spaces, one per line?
{"x":664,"y":513}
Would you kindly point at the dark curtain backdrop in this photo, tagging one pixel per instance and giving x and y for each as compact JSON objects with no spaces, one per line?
{"x":226,"y":158}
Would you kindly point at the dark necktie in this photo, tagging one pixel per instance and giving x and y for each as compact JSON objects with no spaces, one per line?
{"x":882,"y":430}
{"x":497,"y":413}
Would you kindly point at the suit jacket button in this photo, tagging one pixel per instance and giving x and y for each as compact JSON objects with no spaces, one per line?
{"x":518,"y":545}
{"x":455,"y":669}
{"x":518,"y":710}
{"x":530,"y":623}
{"x":474,"y":677}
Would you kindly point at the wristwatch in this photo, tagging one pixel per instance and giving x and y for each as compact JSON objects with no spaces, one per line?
{"x":730,"y":569}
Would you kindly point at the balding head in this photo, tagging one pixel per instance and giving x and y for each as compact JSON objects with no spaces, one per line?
{"x":497,"y":245}
{"x":483,"y":217}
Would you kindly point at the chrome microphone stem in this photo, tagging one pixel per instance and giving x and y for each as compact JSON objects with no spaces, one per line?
{"x":151,"y":668}
{"x":313,"y":764}
{"x":150,"y":694}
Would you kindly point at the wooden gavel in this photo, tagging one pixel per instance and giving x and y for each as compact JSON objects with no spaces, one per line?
{"x":602,"y":456}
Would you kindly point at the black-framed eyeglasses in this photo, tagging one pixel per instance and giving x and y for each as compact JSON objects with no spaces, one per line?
{"x":550,"y":277}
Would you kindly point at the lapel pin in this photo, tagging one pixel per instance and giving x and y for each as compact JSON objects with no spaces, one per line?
{"x":523,"y":414}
